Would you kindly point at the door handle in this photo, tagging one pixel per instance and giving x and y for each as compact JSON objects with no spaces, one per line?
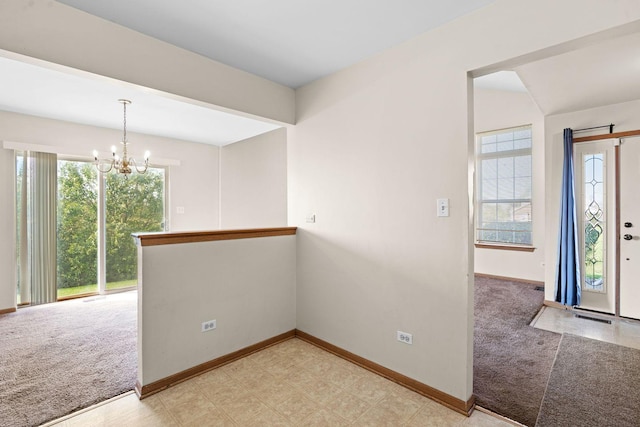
{"x":627,"y":237}
{"x":628,"y":225}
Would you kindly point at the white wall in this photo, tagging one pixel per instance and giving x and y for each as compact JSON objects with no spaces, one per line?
{"x":369,"y":156}
{"x":248,"y":286}
{"x":625,"y":116}
{"x":498,"y":110}
{"x":253,"y":177}
{"x":198,"y":165}
{"x":374,"y":146}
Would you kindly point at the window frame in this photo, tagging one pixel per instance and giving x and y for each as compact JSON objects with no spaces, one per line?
{"x":480,"y":201}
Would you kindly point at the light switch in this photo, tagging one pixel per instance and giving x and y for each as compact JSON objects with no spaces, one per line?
{"x":311,"y":218}
{"x":443,"y":207}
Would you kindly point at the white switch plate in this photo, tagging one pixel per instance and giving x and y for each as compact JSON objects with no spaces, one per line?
{"x":443,"y":207}
{"x":180,"y":209}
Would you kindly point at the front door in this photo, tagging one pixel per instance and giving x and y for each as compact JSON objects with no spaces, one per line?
{"x":609,"y":241}
{"x":630,"y":228}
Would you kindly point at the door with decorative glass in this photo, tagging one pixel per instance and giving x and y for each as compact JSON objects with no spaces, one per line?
{"x":595,"y":209}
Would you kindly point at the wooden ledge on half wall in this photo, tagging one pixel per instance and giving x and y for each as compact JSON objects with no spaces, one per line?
{"x":169,"y":238}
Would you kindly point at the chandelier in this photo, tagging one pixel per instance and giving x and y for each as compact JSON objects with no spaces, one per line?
{"x":120,"y":164}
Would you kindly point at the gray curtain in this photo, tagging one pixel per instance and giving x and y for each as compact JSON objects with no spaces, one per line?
{"x":24,"y":276}
{"x":38,"y":248}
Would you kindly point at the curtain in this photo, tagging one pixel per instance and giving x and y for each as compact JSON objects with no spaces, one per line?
{"x":24,"y":276}
{"x":38,"y":224}
{"x":567,"y":290}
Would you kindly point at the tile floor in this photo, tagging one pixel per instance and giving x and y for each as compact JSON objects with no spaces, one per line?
{"x":290,"y":384}
{"x":621,"y":331}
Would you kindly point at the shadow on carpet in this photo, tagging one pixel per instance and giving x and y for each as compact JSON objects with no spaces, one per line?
{"x":58,"y":358}
{"x":512,"y":360}
{"x":592,"y":384}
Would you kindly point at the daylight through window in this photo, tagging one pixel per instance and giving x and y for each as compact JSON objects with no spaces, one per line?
{"x":84,"y":228}
{"x":503,"y":169}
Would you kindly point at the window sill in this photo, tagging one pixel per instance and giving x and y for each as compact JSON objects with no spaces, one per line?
{"x":505,"y":247}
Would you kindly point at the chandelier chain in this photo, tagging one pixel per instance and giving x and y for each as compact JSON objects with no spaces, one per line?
{"x":125,"y":121}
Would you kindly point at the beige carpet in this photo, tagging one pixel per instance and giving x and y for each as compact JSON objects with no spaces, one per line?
{"x":592,"y":384}
{"x":511,"y":360}
{"x":58,"y":358}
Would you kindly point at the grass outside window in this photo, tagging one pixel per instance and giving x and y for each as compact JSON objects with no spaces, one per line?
{"x":87,"y":289}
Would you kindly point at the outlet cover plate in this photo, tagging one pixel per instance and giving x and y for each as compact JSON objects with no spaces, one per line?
{"x":209,"y":325}
{"x":405,"y":337}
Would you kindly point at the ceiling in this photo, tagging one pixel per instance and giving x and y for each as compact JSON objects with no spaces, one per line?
{"x":502,"y":80}
{"x":291,"y":42}
{"x":38,"y":90}
{"x":602,"y":74}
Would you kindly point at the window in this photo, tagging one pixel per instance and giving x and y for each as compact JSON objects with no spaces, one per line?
{"x":503,"y":168}
{"x":594,"y":221}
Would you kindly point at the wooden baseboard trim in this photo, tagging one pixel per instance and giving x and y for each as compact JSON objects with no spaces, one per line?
{"x":465,"y":408}
{"x":460,"y":406}
{"x":8,"y":310}
{"x":511,"y":279}
{"x":147,"y":390}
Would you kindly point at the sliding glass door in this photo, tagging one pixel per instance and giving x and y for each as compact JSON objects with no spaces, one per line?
{"x":96,"y":214}
{"x":77,"y":234}
{"x":132,"y":205}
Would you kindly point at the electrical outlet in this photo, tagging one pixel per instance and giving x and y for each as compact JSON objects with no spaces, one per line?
{"x":209,"y":325}
{"x":405,"y":337}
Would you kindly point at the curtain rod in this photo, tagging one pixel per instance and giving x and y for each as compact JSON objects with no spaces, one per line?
{"x":610,"y":126}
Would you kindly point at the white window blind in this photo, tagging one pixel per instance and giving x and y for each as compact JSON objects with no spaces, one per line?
{"x":504,"y":184}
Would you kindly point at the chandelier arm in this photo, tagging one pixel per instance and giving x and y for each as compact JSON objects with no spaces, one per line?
{"x":135,"y":165}
{"x":98,"y":163}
